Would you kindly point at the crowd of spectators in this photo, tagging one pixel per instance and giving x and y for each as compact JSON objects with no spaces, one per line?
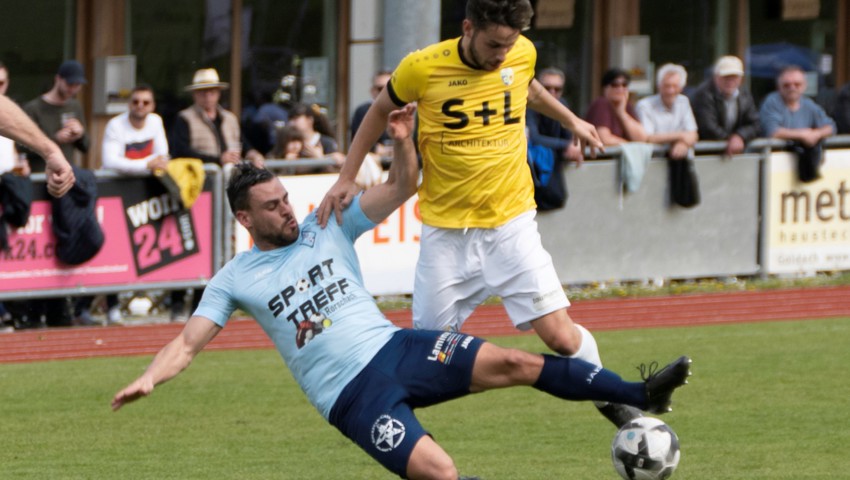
{"x":719,"y":109}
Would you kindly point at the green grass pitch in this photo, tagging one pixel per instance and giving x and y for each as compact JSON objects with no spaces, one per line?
{"x":767,"y":401}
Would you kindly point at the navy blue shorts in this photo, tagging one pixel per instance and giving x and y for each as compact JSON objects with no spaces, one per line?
{"x":417,"y":368}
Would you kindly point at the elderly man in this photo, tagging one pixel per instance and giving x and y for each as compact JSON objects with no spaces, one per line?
{"x":206,"y":130}
{"x":135,"y":141}
{"x":790,"y":115}
{"x":667,"y":116}
{"x":724,"y":110}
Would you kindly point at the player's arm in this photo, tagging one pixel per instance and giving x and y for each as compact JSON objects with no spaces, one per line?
{"x":171,"y":360}
{"x":340,"y":194}
{"x":381,"y":200}
{"x":15,"y":124}
{"x":584,"y":133}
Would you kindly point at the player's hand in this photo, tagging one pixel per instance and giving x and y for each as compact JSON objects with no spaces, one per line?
{"x":60,"y":176}
{"x":585,"y":135}
{"x":142,"y":387}
{"x":336,"y":200}
{"x":400,"y":123}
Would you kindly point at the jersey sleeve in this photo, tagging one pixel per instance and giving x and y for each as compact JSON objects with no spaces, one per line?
{"x":218,"y":303}
{"x":354,"y":221}
{"x":407,"y":83}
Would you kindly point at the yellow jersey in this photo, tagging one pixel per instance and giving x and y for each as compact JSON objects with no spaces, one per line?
{"x":471,"y":133}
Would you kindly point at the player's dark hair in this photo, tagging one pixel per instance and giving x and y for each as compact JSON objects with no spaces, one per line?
{"x":515,"y":14}
{"x":244,"y":176}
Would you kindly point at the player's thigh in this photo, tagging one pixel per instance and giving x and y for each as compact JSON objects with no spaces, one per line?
{"x":521,"y":272}
{"x":448,"y":284}
{"x":371,"y":411}
{"x":498,"y":367}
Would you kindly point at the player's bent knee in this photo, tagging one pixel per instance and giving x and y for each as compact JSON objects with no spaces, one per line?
{"x":429,"y":461}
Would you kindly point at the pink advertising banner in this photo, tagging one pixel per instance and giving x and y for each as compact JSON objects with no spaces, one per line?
{"x":148,"y":240}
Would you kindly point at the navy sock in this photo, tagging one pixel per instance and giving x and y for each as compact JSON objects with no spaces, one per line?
{"x":575,"y":379}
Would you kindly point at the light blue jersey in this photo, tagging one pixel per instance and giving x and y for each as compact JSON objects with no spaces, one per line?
{"x":310,"y":300}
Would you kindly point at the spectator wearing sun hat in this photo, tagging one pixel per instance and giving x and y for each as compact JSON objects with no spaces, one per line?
{"x":207,"y":131}
{"x":723,"y":109}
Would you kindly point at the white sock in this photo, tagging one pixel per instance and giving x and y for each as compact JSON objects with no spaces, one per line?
{"x":589,"y":352}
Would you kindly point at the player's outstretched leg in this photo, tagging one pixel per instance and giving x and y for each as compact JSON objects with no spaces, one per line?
{"x":616,"y":413}
{"x":660,"y":384}
{"x":575,"y":379}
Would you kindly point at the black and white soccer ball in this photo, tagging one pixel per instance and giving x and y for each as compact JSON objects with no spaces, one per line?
{"x":645,"y":449}
{"x":302,"y":285}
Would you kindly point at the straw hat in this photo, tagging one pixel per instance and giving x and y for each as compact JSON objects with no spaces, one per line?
{"x":206,"y":78}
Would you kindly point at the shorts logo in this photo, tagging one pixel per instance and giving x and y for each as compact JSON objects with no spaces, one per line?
{"x":387,"y":433}
{"x":507,"y":76}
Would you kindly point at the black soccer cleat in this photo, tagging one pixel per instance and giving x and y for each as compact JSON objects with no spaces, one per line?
{"x":660,"y":384}
{"x":618,"y":413}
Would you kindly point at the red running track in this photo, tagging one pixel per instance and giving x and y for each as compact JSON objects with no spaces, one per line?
{"x":608,"y":314}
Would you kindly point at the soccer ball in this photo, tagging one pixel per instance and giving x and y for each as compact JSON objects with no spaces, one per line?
{"x":645,"y":449}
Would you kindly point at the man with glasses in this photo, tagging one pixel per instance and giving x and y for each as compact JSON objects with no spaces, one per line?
{"x":614,"y":116}
{"x":135,"y":141}
{"x":547,"y":132}
{"x":788,"y":114}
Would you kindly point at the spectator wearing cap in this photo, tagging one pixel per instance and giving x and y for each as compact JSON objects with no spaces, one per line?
{"x":667,"y":116}
{"x":614,"y":116}
{"x":723,"y":109}
{"x":207,"y":131}
{"x":60,"y":115}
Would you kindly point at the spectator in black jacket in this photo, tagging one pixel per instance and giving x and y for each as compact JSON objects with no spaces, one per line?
{"x":724,"y":110}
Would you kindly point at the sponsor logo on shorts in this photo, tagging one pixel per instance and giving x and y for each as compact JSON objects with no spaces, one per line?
{"x":446,"y":345}
{"x":387,"y":433}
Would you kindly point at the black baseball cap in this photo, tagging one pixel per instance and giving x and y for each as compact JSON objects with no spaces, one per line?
{"x":72,"y":72}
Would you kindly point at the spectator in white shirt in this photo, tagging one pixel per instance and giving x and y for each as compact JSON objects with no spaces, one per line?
{"x":135,"y":141}
{"x":667,"y":116}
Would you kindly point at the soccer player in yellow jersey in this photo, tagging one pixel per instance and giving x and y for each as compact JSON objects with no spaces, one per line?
{"x":479,"y":236}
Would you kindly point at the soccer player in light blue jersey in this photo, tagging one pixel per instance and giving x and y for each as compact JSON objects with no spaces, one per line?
{"x":303,"y":285}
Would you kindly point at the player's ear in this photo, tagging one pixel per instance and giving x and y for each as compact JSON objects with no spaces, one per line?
{"x":466,"y":27}
{"x":243,"y":218}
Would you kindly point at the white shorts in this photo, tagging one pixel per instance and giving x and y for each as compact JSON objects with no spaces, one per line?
{"x":458,"y":269}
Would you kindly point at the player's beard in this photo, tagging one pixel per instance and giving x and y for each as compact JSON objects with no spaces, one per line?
{"x":281,"y":237}
{"x":475,"y":58}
